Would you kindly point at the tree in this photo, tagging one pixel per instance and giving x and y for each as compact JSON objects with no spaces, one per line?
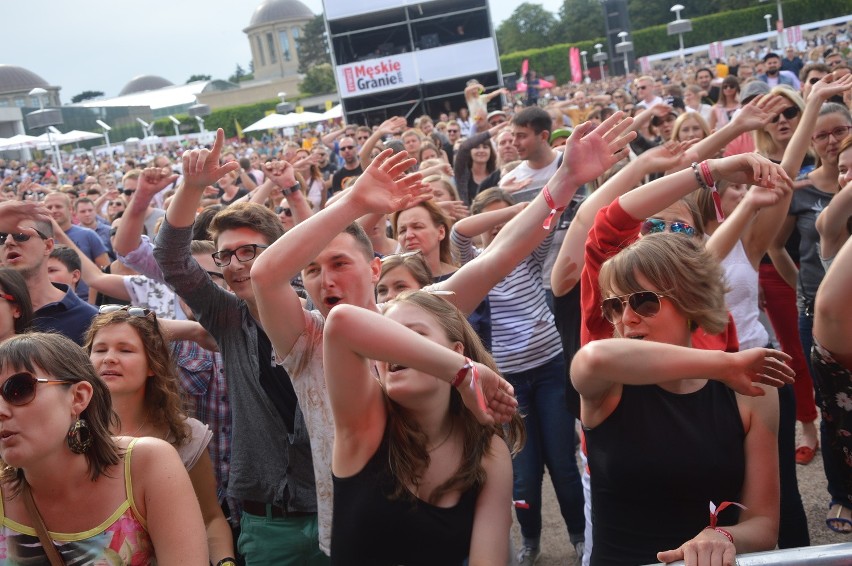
{"x":86,"y":95}
{"x":195,"y":78}
{"x":529,"y":26}
{"x":238,"y":75}
{"x":579,"y":20}
{"x":311,"y":45}
{"x":318,"y":80}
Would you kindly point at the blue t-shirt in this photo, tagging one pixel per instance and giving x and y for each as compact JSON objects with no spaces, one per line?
{"x":70,"y":317}
{"x":90,"y":244}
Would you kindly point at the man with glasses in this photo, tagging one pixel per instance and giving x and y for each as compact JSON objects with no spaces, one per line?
{"x":271,"y":469}
{"x":351,"y":165}
{"x":26,"y":241}
{"x":645,"y":92}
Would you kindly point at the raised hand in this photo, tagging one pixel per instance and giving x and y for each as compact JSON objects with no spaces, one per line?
{"x":510,"y":185}
{"x":760,"y":111}
{"x":201,"y":166}
{"x":757,"y":365}
{"x":590,"y":152}
{"x":749,"y":168}
{"x":282,"y":173}
{"x":828,"y":86}
{"x":394,"y":125}
{"x":490,"y":397}
{"x":153,"y":180}
{"x":761,"y":197}
{"x":455,"y":209}
{"x":670,"y":156}
{"x":384,"y":188}
{"x":13,"y":212}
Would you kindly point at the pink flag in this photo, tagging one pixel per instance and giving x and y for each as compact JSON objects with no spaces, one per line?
{"x":576,"y":69}
{"x":525,"y":66}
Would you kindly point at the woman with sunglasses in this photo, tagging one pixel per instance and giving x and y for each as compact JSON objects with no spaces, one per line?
{"x":115,"y":207}
{"x":698,"y":427}
{"x":133,"y":357}
{"x":16,"y":309}
{"x":728,"y":103}
{"x":101,"y":499}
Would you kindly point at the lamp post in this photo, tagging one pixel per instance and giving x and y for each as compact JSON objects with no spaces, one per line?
{"x":46,"y":118}
{"x":106,"y":129}
{"x":768,"y":18}
{"x":585,"y":64}
{"x":779,"y":24}
{"x":624,"y":47}
{"x":176,"y":123}
{"x":679,"y":26}
{"x":600,"y":57}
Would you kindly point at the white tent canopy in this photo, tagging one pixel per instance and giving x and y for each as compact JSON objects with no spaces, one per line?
{"x":333,"y":113}
{"x":277,"y":121}
{"x":20,"y":141}
{"x":73,"y":136}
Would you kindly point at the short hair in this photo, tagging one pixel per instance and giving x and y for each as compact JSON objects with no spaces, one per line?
{"x":762,"y":140}
{"x":13,"y":284}
{"x":61,"y":358}
{"x":533,"y":117}
{"x":677,"y":266}
{"x":247,"y":215}
{"x":806,"y":70}
{"x":362,"y":239}
{"x":68,"y":257}
{"x":489,"y":197}
{"x":200,"y":228}
{"x":163,"y":399}
{"x":132,"y":174}
{"x":411,"y":132}
{"x":61,"y":196}
{"x":83,"y":200}
{"x":438,"y":219}
{"x":703,"y":69}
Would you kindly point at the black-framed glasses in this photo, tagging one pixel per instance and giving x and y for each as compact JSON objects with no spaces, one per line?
{"x":655,"y":225}
{"x":788,"y":113}
{"x":287,"y":212}
{"x":127,"y":192}
{"x":245,"y":253}
{"x":20,"y":237}
{"x":113,"y":231}
{"x":20,"y":388}
{"x":138,"y":312}
{"x":644,"y":303}
{"x":837,"y":133}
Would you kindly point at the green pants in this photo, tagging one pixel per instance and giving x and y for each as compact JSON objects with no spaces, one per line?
{"x":289,"y":541}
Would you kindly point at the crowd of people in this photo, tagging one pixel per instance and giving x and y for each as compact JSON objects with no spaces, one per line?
{"x":365,"y":344}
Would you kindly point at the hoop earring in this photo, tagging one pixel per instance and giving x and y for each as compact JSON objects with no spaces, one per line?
{"x":79,"y":437}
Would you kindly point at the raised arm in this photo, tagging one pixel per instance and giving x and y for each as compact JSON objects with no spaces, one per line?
{"x":108,"y":284}
{"x":129,"y":233}
{"x":393,"y":125}
{"x":283,"y":175}
{"x":833,"y":317}
{"x":833,"y":223}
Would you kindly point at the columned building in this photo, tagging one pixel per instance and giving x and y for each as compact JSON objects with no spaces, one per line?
{"x":273,"y":31}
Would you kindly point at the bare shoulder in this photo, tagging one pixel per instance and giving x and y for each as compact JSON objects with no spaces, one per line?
{"x":764,"y":407}
{"x":497,"y":455}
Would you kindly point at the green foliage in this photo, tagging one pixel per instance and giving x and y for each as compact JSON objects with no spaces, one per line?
{"x":195,"y":78}
{"x":311,"y":45}
{"x":529,"y":26}
{"x":579,"y":20}
{"x":245,"y":114}
{"x":241,"y":75}
{"x":318,"y":80}
{"x":86,"y":95}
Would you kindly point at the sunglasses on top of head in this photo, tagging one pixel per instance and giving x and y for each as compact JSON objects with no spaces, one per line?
{"x":655,"y":225}
{"x":20,"y":388}
{"x":137,"y":312}
{"x":646,"y":304}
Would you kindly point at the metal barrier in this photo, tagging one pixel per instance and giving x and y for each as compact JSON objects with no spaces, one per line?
{"x":826,"y":555}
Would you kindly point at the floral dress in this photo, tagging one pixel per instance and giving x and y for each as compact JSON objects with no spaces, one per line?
{"x":121,"y":540}
{"x":835,"y":388}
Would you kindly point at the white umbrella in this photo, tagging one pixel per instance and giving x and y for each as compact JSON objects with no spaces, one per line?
{"x":75,"y":136}
{"x":296,"y":118}
{"x":333,"y":113}
{"x":20,"y":141}
{"x":277,"y":121}
{"x":269,"y":122}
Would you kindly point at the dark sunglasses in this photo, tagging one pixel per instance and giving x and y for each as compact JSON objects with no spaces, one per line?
{"x":286,"y":211}
{"x":346,"y":147}
{"x":116,"y":203}
{"x":655,"y":225}
{"x":113,"y":231}
{"x":814,"y":80}
{"x":127,"y":192}
{"x":20,"y":388}
{"x":644,"y":303}
{"x":243,"y":254}
{"x":788,"y":114}
{"x":20,"y":237}
{"x":137,"y":312}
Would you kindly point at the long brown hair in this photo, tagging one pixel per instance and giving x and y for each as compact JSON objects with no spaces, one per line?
{"x":162,"y":390}
{"x":408,"y":455}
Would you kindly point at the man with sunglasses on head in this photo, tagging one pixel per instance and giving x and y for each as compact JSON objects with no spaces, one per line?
{"x":271,"y":471}
{"x":26,"y":241}
{"x":351,"y":165}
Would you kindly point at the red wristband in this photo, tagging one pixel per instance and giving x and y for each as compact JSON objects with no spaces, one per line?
{"x":729,"y":536}
{"x":554,"y":210}
{"x":717,"y":200}
{"x":462,"y":373}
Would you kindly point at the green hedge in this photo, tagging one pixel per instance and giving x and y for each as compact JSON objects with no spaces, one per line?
{"x":706,"y":29}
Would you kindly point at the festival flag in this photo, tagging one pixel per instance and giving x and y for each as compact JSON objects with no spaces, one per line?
{"x":525,"y":66}
{"x":576,"y":68}
{"x":239,"y":129}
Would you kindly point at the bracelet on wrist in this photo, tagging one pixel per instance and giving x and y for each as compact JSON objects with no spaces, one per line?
{"x":706,"y":182}
{"x":554,"y":210}
{"x":227,"y":561}
{"x":462,"y":373}
{"x":291,"y":190}
{"x":727,"y":534}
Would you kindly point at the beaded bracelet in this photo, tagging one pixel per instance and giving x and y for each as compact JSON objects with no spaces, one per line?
{"x":554,"y":210}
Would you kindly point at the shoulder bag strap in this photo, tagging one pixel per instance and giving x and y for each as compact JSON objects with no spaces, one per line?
{"x":41,"y":530}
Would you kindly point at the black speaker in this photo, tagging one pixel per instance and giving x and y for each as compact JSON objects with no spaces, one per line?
{"x":510,"y":81}
{"x":44,"y":118}
{"x":616,"y":19}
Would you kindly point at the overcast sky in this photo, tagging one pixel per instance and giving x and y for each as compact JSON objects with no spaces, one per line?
{"x":101,"y":44}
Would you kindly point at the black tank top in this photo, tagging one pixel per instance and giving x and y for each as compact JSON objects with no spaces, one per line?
{"x":656,"y":464}
{"x":371,"y":529}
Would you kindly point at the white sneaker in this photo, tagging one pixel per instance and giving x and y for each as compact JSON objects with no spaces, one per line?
{"x":528,"y":556}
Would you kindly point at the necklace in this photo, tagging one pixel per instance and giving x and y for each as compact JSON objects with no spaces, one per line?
{"x":136,"y":432}
{"x":446,"y":438}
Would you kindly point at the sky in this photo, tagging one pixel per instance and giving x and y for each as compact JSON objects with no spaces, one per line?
{"x":100,"y":45}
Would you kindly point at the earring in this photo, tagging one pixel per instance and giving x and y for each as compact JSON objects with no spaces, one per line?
{"x":79,"y":437}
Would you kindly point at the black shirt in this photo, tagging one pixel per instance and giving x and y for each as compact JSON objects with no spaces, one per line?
{"x":341,"y":175}
{"x":275,"y":382}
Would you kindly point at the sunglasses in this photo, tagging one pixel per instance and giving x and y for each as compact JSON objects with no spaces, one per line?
{"x":287,"y":212}
{"x":655,"y":225}
{"x":346,"y":147}
{"x":20,"y":237}
{"x":644,"y":303}
{"x":814,"y":80}
{"x":20,"y":388}
{"x":116,"y":203}
{"x":127,"y":192}
{"x":788,"y":114}
{"x":137,"y":312}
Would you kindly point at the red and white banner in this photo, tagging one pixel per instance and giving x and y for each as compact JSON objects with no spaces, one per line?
{"x":717,"y":50}
{"x":576,"y":66}
{"x":794,"y":34}
{"x":644,"y":64}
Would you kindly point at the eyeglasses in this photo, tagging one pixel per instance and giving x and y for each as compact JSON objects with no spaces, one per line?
{"x":20,"y":237}
{"x":838,"y":133}
{"x":655,"y":225}
{"x":449,"y":131}
{"x":138,"y":312}
{"x":346,"y":147}
{"x":20,"y":388}
{"x":641,"y":87}
{"x":113,"y":231}
{"x":286,"y":211}
{"x":243,"y":254}
{"x":127,"y":192}
{"x":729,"y":87}
{"x":788,"y":114}
{"x":644,"y":303}
{"x":814,"y":80}
{"x":116,"y":203}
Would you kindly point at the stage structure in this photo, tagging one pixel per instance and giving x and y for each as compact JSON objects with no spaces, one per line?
{"x":407,"y":57}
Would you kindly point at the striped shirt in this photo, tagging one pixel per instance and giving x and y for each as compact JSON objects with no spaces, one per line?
{"x":523,"y":330}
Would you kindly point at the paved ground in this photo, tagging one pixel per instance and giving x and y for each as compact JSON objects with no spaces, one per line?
{"x":557,"y":551}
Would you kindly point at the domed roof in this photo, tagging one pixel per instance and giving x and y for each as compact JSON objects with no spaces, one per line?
{"x":143,"y":83}
{"x":14,"y":79}
{"x":277,"y":10}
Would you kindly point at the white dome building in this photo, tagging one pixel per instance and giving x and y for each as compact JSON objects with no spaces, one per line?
{"x":274,"y":28}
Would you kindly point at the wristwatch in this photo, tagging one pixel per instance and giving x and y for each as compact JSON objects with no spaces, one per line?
{"x":227,"y":561}
{"x":292,"y":189}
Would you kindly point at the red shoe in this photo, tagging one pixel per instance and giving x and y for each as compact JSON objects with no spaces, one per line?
{"x":804,"y":454}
